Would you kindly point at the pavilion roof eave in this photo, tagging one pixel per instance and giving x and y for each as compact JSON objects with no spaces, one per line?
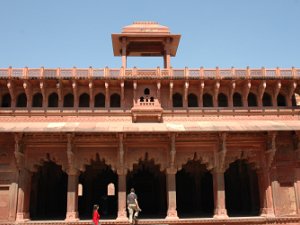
{"x":129,"y":127}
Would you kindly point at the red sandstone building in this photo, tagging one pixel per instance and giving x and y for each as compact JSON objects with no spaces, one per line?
{"x":219,"y":146}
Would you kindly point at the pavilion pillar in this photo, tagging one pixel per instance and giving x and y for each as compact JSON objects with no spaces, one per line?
{"x":219,"y":194}
{"x":297,"y":188}
{"x":265,"y":189}
{"x":23,"y":195}
{"x":72,"y":196}
{"x":171,"y":189}
{"x":167,"y":56}
{"x":122,"y":214}
{"x":124,"y":55}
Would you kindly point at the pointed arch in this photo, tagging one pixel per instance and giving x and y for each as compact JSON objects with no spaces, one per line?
{"x":237,"y":100}
{"x":115,"y":101}
{"x":37,"y":100}
{"x":22,"y":100}
{"x":222,"y":100}
{"x":84,"y":100}
{"x":177,"y":100}
{"x":6,"y":100}
{"x":99,"y":100}
{"x":252,"y":100}
{"x":69,"y":100}
{"x":53,"y":100}
{"x":281,"y":101}
{"x":192,"y":100}
{"x":267,"y":99}
{"x":207,"y":100}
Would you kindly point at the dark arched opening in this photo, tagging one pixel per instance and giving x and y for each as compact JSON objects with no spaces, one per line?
{"x":207,"y":100}
{"x":150,"y":186}
{"x":192,"y":100}
{"x":241,"y":190}
{"x":6,"y":100}
{"x":267,"y":99}
{"x":281,"y":100}
{"x":115,"y":101}
{"x":177,"y":100}
{"x":22,"y":100}
{"x":237,"y":100}
{"x":37,"y":100}
{"x":53,"y":100}
{"x":84,"y":100}
{"x":222,"y":100}
{"x":252,"y":100}
{"x":194,"y":191}
{"x":99,"y":100}
{"x":69,"y":100}
{"x":146,"y":91}
{"x":48,"y":198}
{"x":95,"y":180}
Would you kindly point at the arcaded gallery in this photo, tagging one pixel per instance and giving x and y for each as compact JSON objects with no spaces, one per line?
{"x":199,"y":145}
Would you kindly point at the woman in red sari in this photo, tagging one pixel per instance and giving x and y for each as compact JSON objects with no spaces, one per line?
{"x":96,"y":215}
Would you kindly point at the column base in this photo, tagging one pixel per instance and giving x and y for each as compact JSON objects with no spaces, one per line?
{"x":220,"y":214}
{"x":122,"y":216}
{"x":172,"y":215}
{"x":22,"y":217}
{"x":267,"y":212}
{"x":72,"y":217}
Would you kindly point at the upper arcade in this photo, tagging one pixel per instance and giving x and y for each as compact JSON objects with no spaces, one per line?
{"x":145,"y":39}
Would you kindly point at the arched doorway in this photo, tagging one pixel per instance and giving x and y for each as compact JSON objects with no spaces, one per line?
{"x":222,"y":100}
{"x":194,"y":190}
{"x":84,"y":100}
{"x":37,"y":100}
{"x":150,"y":186}
{"x":48,"y":198}
{"x":237,"y":100}
{"x":192,"y":100}
{"x":252,"y":100}
{"x":241,"y":190}
{"x":267,"y":99}
{"x":95,"y":181}
{"x":207,"y":100}
{"x":177,"y":100}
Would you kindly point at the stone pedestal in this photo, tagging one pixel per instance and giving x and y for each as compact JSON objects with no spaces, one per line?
{"x":23,"y":196}
{"x":219,"y":195}
{"x":72,"y":197}
{"x":122,"y":214}
{"x":171,"y":193}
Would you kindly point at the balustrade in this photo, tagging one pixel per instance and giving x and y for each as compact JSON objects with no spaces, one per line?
{"x":129,"y":73}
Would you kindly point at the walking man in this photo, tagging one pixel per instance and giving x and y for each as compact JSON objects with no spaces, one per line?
{"x":132,"y":205}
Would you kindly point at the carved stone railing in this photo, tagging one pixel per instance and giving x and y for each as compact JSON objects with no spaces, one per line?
{"x":152,"y":73}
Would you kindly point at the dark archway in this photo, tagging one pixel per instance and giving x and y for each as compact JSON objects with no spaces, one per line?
{"x":22,"y":100}
{"x":69,"y":100}
{"x":207,"y":100}
{"x":150,"y":186}
{"x":48,"y":198}
{"x":267,"y":99}
{"x":53,"y":100}
{"x":95,"y":180}
{"x":222,"y":100}
{"x":241,"y":190}
{"x":99,"y":100}
{"x":281,"y":100}
{"x":194,"y":191}
{"x":37,"y":100}
{"x":115,"y":101}
{"x":192,"y":100}
{"x":6,"y":100}
{"x":252,"y":100}
{"x":237,"y":100}
{"x":177,"y":100}
{"x":84,"y":100}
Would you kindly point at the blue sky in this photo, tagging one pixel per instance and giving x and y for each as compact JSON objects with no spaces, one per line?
{"x":67,"y":33}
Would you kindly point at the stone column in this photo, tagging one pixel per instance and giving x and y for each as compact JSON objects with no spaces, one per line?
{"x":122,"y":214}
{"x":13,"y":198}
{"x":124,"y":54}
{"x":72,"y":196}
{"x":266,"y":198}
{"x":297,"y":188}
{"x":219,"y":195}
{"x":23,"y":195}
{"x":171,"y":189}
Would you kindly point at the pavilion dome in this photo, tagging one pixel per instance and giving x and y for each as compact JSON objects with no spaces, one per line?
{"x":145,"y":27}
